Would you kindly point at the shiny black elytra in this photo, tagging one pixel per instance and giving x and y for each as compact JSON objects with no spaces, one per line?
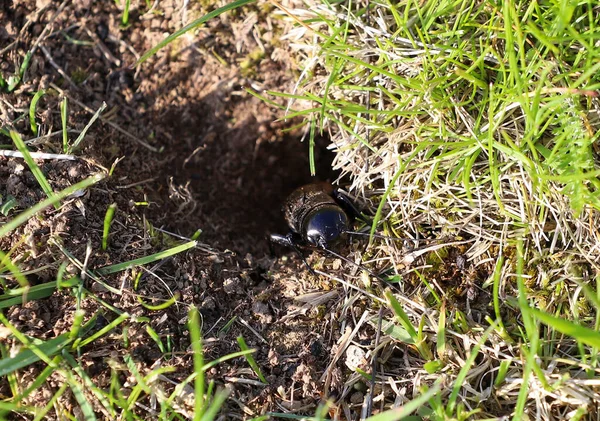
{"x":318,"y":216}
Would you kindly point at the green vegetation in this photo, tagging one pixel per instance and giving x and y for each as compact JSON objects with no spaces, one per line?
{"x":472,"y":122}
{"x":480,"y":119}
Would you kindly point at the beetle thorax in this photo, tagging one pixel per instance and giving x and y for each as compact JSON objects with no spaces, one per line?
{"x":303,"y":202}
{"x":324,"y":225}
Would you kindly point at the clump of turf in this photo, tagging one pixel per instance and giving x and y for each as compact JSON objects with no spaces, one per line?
{"x":474,"y":124}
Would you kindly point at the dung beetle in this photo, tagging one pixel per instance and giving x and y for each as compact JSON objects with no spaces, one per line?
{"x":318,"y":216}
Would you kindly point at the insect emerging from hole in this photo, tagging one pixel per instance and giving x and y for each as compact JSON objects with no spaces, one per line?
{"x":319,"y":216}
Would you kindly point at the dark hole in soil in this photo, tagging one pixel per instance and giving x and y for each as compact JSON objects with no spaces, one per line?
{"x":244,"y":205}
{"x":239,"y":182}
{"x":226,"y":163}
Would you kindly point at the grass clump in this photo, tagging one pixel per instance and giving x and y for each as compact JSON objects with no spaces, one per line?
{"x":478,"y":122}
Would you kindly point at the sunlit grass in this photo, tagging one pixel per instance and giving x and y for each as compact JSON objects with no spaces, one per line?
{"x":480,"y":120}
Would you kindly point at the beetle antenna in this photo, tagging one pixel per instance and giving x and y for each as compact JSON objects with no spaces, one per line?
{"x":386,"y":237}
{"x":345,"y":259}
{"x":299,"y":253}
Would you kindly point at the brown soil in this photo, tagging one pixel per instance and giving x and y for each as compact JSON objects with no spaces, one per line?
{"x":202,"y":153}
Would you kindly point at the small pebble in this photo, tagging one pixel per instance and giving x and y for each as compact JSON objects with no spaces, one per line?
{"x":209,"y":303}
{"x":231,"y":285}
{"x":262,"y":311}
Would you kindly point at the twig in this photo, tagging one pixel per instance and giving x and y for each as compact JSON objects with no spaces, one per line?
{"x":245,"y":381}
{"x":47,"y":27}
{"x":57,"y":67}
{"x":200,"y":246}
{"x":369,"y":401}
{"x":102,"y":47}
{"x":343,"y":344}
{"x":38,"y":140}
{"x":8,"y":47}
{"x":148,"y":13}
{"x":137,"y":183}
{"x":290,"y":14}
{"x":245,"y":323}
{"x":349,"y":285}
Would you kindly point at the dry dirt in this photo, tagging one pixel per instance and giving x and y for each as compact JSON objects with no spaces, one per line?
{"x":203,"y":154}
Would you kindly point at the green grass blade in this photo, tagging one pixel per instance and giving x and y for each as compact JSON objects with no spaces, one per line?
{"x":106,"y":329}
{"x":35,"y":350}
{"x":156,"y":338}
{"x":388,"y":191}
{"x":89,"y":383}
{"x":311,"y":148}
{"x":264,"y":99}
{"x":9,"y":407}
{"x":250,"y":359}
{"x":464,"y":371}
{"x":27,"y":356}
{"x":409,"y":407}
{"x":39,"y":380}
{"x":219,"y":360}
{"x":107,"y":270}
{"x":125,"y":18}
{"x":7,"y":264}
{"x":84,"y":404}
{"x":26,"y":294}
{"x":496,"y":291}
{"x":196,"y":343}
{"x":9,"y":204}
{"x":32,"y":108}
{"x":581,"y":333}
{"x":401,"y":316}
{"x":42,"y":414}
{"x":108,"y":217}
{"x":215,"y":405}
{"x":33,"y":167}
{"x":396,"y":332}
{"x":191,"y":26}
{"x":64,"y":110}
{"x":441,"y":333}
{"x":87,"y":126}
{"x":168,"y":303}
{"x":25,"y":65}
{"x":530,"y":331}
{"x":23,"y":217}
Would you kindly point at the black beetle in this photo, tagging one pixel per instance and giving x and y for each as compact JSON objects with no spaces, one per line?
{"x":318,"y":216}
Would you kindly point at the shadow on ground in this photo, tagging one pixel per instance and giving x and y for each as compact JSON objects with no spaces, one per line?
{"x":225,"y":166}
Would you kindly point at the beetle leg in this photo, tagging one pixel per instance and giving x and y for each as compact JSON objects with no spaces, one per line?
{"x":283,"y":240}
{"x":348,"y":206}
{"x":291,"y":240}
